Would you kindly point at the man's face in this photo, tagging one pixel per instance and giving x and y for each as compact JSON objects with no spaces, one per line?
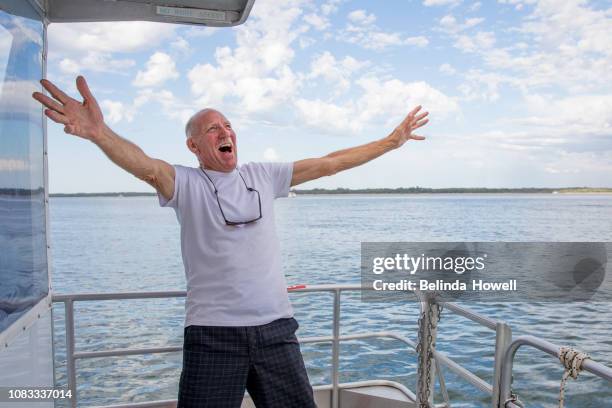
{"x":214,"y":142}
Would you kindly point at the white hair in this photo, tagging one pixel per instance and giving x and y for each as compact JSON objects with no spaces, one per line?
{"x":191,"y":123}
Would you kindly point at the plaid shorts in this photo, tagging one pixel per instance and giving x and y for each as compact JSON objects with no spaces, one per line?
{"x":220,"y":362}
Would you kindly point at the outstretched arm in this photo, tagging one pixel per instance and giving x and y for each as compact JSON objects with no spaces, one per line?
{"x":311,"y":169}
{"x":85,"y":120}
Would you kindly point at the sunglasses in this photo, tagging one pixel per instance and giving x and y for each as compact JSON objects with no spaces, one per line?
{"x":250,"y":189}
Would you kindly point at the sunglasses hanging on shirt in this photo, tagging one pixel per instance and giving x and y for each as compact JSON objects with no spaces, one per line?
{"x":250,"y":189}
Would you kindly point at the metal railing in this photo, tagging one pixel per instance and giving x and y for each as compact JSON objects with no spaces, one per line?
{"x":547,"y":347}
{"x":505,"y":349}
{"x":72,"y":356}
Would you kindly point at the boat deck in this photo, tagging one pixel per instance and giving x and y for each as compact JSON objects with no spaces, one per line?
{"x":361,"y":396}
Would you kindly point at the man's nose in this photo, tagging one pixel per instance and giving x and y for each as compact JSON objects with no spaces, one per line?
{"x":224,"y":131}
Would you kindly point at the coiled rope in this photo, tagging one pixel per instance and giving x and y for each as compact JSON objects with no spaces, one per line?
{"x":572,"y":361}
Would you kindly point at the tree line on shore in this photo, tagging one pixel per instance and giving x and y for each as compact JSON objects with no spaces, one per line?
{"x":400,"y":190}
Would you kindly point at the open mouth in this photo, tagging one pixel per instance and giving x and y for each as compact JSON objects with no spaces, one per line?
{"x":226,"y":148}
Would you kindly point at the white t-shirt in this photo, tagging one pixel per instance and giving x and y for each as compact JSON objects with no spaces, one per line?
{"x":233,"y":273}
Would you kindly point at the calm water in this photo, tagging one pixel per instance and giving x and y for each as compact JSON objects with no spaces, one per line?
{"x":130,"y":244}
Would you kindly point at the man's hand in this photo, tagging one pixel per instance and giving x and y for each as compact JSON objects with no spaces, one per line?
{"x":403,"y":132}
{"x":85,"y":119}
{"x":311,"y":169}
{"x":82,"y":119}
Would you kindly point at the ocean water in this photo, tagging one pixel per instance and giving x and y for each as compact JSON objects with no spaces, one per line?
{"x":130,"y":244}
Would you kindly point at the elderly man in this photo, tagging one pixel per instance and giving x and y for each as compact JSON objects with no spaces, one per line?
{"x":239,"y":327}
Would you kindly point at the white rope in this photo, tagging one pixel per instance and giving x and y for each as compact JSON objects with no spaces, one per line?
{"x":572,"y":361}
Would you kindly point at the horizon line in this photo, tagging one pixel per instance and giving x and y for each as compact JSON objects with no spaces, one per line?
{"x":381,"y":190}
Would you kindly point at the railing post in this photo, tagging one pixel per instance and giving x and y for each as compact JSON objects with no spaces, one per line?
{"x":70,"y":360}
{"x":503,"y":338}
{"x":336,"y":349}
{"x":428,"y":324}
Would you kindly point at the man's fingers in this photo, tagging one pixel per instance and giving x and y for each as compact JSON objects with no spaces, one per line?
{"x":410,"y":117}
{"x":421,"y":116}
{"x":48,"y":102}
{"x":414,"y":111}
{"x":55,"y":91}
{"x":419,"y":124}
{"x":83,"y":88}
{"x":417,"y":137}
{"x":56,"y":117}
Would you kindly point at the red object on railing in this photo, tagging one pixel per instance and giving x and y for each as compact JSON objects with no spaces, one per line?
{"x":294,"y":287}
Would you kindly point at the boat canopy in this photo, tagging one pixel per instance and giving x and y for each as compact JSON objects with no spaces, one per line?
{"x":215,"y":13}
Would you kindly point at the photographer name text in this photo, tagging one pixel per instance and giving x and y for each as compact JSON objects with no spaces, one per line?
{"x":442,"y":285}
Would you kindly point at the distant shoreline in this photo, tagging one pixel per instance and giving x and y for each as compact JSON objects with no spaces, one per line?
{"x":403,"y":190}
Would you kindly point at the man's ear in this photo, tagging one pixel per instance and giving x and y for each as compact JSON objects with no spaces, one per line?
{"x":191,"y":145}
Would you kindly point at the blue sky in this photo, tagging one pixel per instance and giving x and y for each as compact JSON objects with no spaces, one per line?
{"x":519,"y":91}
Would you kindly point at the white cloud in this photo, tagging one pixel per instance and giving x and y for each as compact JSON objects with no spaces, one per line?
{"x":419,"y":41}
{"x":559,"y":61}
{"x":471,"y":22}
{"x":476,"y":6}
{"x":392,"y":99}
{"x":430,"y":3}
{"x":449,"y":24}
{"x":480,"y":42}
{"x":580,"y":162}
{"x":306,"y":42}
{"x":96,"y":62}
{"x":327,"y":116}
{"x":330,"y":6}
{"x":181,"y":45}
{"x":361,"y":17}
{"x":335,"y":72}
{"x":574,"y":115}
{"x":558,"y":125}
{"x":380,"y":40}
{"x":270,"y":154}
{"x":382,"y":102}
{"x":160,"y":68}
{"x":69,"y":66}
{"x":447,"y":69}
{"x":172,"y":107}
{"x":575,"y":27}
{"x":318,"y":22}
{"x":94,"y":46}
{"x":483,"y":85}
{"x":567,"y":45}
{"x":448,"y":21}
{"x":115,"y":111}
{"x":217,"y":86}
{"x":111,"y":37}
{"x":256,"y":75}
{"x":361,"y":30}
{"x":518,"y":4}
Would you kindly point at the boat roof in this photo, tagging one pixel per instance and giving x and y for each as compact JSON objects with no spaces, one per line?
{"x":214,"y":13}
